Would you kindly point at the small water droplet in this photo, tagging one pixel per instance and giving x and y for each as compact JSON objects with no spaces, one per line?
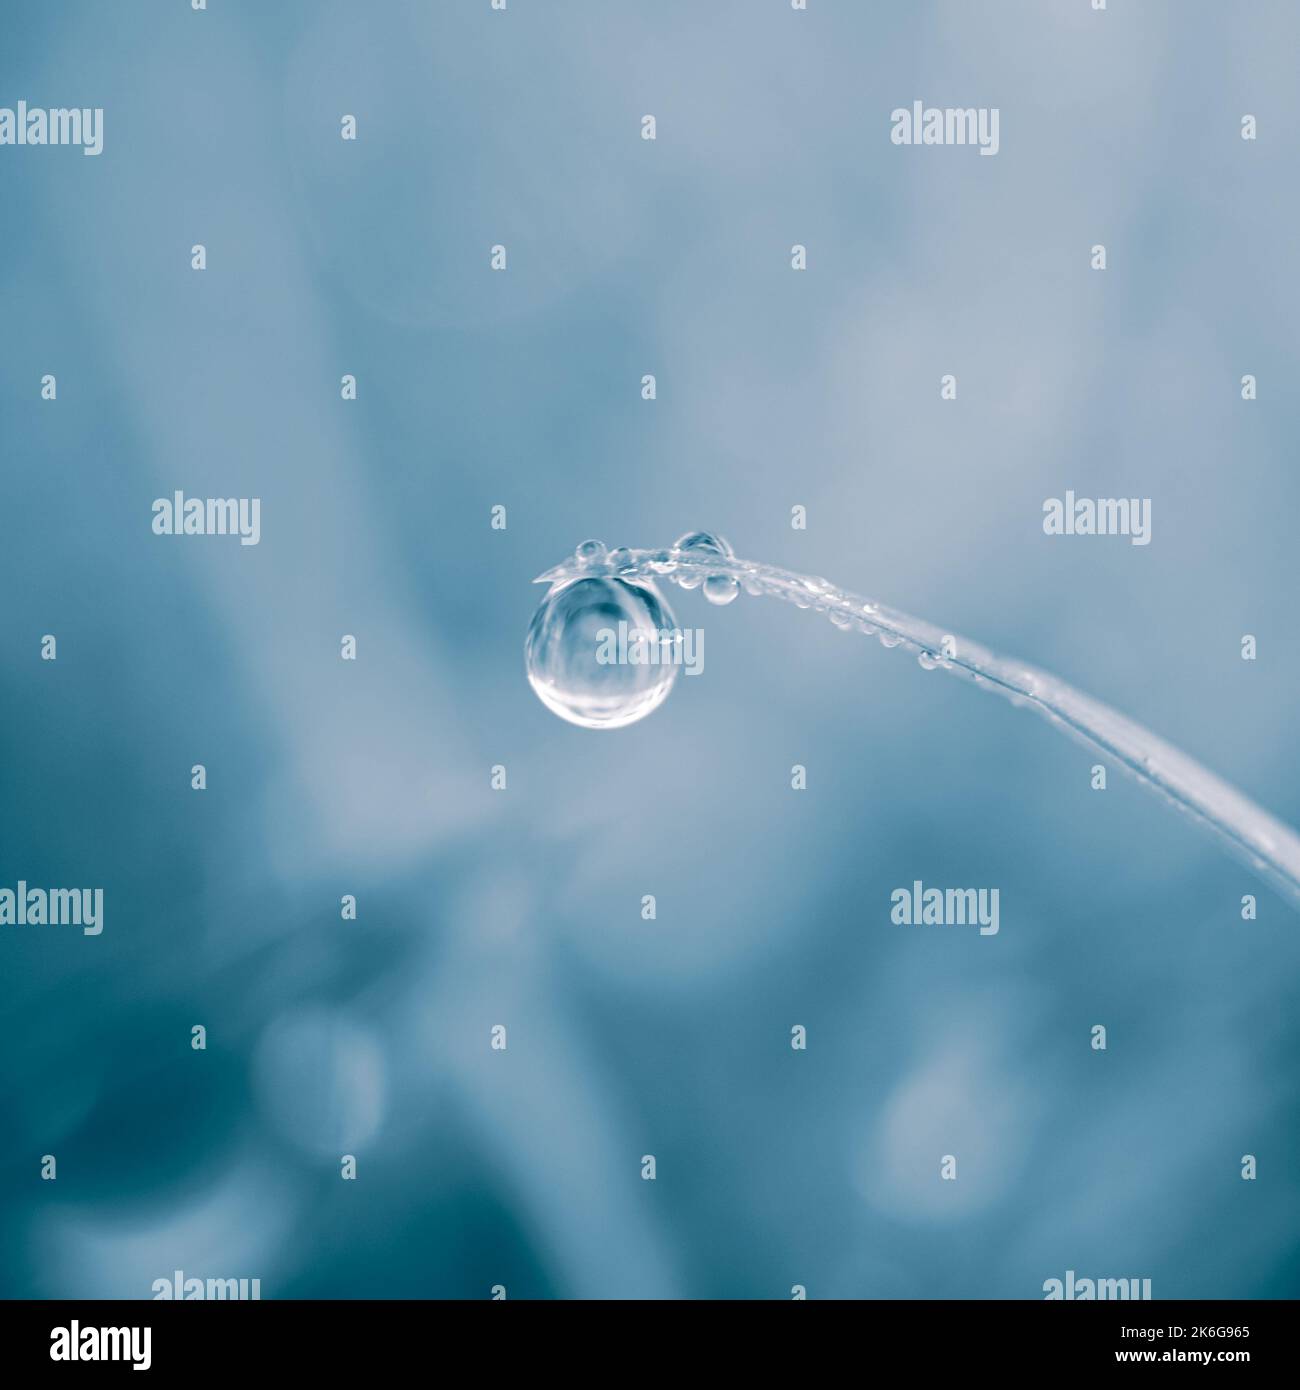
{"x":720,"y":589}
{"x":888,"y":639}
{"x":621,"y":558}
{"x":841,"y":619}
{"x":576,"y":652}
{"x":927,"y":660}
{"x":706,"y":541}
{"x":662,"y":562}
{"x":689,"y":578}
{"x":590,"y":552}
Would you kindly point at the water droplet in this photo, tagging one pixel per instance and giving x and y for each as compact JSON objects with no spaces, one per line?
{"x":620,"y":558}
{"x":662,"y":562}
{"x":841,"y":619}
{"x":720,"y":589}
{"x":717,"y":588}
{"x":705,"y":541}
{"x":889,"y":639}
{"x":577,"y":654}
{"x":590,"y":552}
{"x":752,"y":587}
{"x":927,"y":660}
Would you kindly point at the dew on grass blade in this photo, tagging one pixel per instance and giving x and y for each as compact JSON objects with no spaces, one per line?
{"x":564,"y":672}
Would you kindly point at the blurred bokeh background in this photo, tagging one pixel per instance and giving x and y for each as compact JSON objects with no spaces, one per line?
{"x":476,"y":908}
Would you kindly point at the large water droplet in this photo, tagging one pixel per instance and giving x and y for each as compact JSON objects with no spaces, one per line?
{"x":578,"y":656}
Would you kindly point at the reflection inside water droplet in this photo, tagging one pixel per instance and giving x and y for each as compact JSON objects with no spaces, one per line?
{"x":597,"y":653}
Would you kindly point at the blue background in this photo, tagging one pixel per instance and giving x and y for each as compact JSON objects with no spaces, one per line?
{"x":522,"y":907}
